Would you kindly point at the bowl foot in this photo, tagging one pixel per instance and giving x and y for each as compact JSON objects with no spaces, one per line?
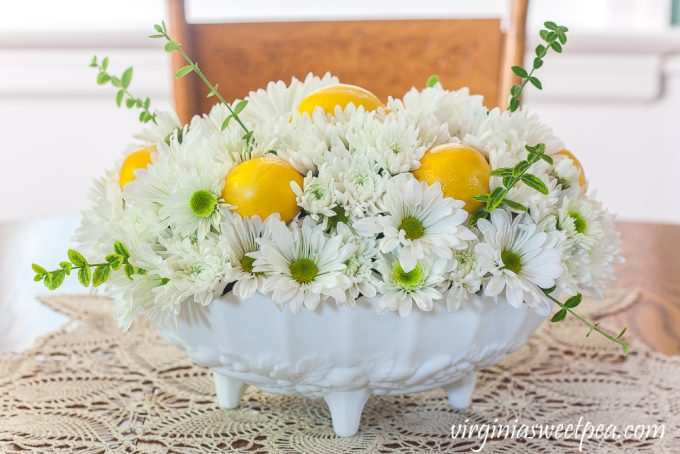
{"x":460,"y":391}
{"x":228,"y":390}
{"x":346,"y":408}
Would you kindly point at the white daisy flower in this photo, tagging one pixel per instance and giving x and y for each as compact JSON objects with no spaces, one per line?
{"x":593,"y":245}
{"x":359,"y":265}
{"x":394,"y":143}
{"x":302,"y":264}
{"x":198,"y":271}
{"x":465,"y":278}
{"x":419,"y":220}
{"x":241,"y":234}
{"x":521,"y":258}
{"x":193,"y":206}
{"x":279,"y":100}
{"x":359,"y":184}
{"x":318,"y":198}
{"x":101,"y":223}
{"x":423,"y":285}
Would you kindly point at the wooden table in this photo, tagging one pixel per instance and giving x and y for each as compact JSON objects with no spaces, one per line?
{"x":651,"y":251}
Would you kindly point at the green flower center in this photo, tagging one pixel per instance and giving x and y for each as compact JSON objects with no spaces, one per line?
{"x":413,"y":227}
{"x":511,"y":261}
{"x":203,"y":203}
{"x":580,"y":223}
{"x":304,"y":270}
{"x":317,"y":191}
{"x":408,"y":281}
{"x":247,"y":264}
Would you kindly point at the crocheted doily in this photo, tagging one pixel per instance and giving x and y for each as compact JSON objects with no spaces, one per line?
{"x":90,"y":388}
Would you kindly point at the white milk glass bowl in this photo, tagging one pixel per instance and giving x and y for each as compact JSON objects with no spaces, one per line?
{"x":346,"y":354}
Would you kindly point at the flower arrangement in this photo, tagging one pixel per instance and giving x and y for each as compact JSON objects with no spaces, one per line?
{"x":316,"y":192}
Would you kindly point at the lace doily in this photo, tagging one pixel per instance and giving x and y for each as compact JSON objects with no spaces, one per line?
{"x":90,"y":388}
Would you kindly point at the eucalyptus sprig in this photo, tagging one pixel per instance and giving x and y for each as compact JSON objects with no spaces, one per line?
{"x":118,"y":259}
{"x":568,"y":308}
{"x":123,"y":94}
{"x":173,"y":46}
{"x":554,"y":36}
{"x":510,"y":177}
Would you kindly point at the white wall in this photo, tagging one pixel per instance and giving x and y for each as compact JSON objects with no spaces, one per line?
{"x":613,"y":98}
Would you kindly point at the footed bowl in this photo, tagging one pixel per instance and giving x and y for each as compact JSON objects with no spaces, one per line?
{"x":346,"y":354}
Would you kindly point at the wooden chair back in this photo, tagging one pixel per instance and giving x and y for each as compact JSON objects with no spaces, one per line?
{"x":387,"y":57}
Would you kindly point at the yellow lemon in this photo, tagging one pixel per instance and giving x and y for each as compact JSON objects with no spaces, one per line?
{"x":261,"y":186}
{"x":339,"y":95}
{"x":461,"y":171}
{"x":577,"y":163}
{"x":138,"y":159}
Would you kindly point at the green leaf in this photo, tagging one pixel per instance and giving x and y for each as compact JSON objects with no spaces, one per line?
{"x":514,"y":104}
{"x":480,"y":197}
{"x":536,"y":83}
{"x":115,"y":260}
{"x":534,"y":182}
{"x":593,"y":328}
{"x":562,"y":37}
{"x":115,"y":81}
{"x":38,"y":277}
{"x":126,"y":78}
{"x":548,"y":291}
{"x":171,"y":46}
{"x":105,"y":63}
{"x":623,"y":331}
{"x":101,"y":274}
{"x":432,"y":80}
{"x":226,"y":121}
{"x":158,"y":28}
{"x":541,"y":51}
{"x":537,"y":63}
{"x":520,"y":168}
{"x":476,"y":216}
{"x":495,"y":198}
{"x":156,"y":36}
{"x":240,"y":106}
{"x":550,"y":37}
{"x":129,"y":270}
{"x":93,"y":63}
{"x":130,"y":103}
{"x":213,"y":91}
{"x":557,"y":47}
{"x":501,"y":172}
{"x":147,"y":103}
{"x":39,"y":269}
{"x":103,"y":78}
{"x":544,"y":34}
{"x":519,"y":71}
{"x":76,"y":258}
{"x":573,"y":301}
{"x":515,"y":90}
{"x":57,"y":278}
{"x":547,"y":158}
{"x":119,"y":97}
{"x":514,"y":205}
{"x":85,"y":276}
{"x":626,"y":349}
{"x":559,"y":316}
{"x":183,"y":71}
{"x":66,"y":266}
{"x":550,"y":25}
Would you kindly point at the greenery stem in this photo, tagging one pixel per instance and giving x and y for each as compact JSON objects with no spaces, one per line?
{"x":593,"y":326}
{"x":175,"y":46}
